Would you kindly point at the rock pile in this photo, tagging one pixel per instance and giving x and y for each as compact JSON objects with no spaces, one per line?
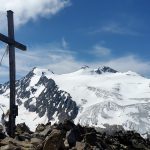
{"x":68,"y":136}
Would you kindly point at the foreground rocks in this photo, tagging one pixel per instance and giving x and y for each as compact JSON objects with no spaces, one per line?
{"x":68,"y":136}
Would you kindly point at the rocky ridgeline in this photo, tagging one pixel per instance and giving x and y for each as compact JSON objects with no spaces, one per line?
{"x":68,"y":136}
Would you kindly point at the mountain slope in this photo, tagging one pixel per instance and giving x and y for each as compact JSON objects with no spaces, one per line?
{"x":89,"y":96}
{"x":39,"y":99}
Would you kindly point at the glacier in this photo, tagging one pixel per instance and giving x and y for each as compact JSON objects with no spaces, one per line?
{"x":91,"y":97}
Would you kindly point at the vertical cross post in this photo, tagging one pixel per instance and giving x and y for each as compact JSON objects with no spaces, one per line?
{"x":10,"y":40}
{"x":12,"y":75}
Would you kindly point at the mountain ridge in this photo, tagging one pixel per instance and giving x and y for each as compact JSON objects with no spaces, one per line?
{"x":86,"y":96}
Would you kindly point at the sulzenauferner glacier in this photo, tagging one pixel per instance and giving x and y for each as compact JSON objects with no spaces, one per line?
{"x":89,"y":96}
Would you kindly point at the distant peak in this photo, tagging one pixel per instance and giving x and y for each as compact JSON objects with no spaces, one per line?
{"x":86,"y":70}
{"x":40,"y":71}
{"x":131,"y":73}
{"x":108,"y":69}
{"x":85,"y":67}
{"x":105,"y":69}
{"x":33,"y":69}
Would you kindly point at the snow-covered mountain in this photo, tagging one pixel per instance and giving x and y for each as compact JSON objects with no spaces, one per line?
{"x":88,"y":96}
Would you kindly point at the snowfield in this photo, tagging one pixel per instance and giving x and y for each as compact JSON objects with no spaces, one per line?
{"x":103,"y":96}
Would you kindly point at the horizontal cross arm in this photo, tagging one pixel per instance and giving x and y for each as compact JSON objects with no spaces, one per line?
{"x":20,"y":46}
{"x":12,"y":42}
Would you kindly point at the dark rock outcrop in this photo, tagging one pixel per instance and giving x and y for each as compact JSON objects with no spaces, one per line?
{"x":57,"y":101}
{"x":50,"y":101}
{"x":68,"y":136}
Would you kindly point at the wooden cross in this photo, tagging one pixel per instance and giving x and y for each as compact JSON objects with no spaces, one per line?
{"x":10,"y":40}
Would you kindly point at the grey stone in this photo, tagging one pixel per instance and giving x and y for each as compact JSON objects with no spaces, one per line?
{"x":54,"y":141}
{"x":71,"y":138}
{"x":46,"y":131}
{"x":36,"y":141}
{"x":40,"y":127}
{"x":10,"y":147}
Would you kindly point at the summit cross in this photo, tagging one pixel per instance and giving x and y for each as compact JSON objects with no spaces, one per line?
{"x":12,"y":44}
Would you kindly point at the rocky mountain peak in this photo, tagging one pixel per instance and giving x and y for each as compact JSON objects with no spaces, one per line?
{"x":87,"y":70}
{"x":85,"y":67}
{"x":41,"y":71}
{"x":106,"y":69}
{"x":88,"y":96}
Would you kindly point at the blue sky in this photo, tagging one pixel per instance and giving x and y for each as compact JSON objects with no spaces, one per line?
{"x":64,"y":35}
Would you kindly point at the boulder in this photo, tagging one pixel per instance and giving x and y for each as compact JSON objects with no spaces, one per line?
{"x":68,"y":125}
{"x":10,"y":147}
{"x":23,"y":137}
{"x":46,"y":131}
{"x":21,"y":128}
{"x":36,"y":142}
{"x":42,"y":131}
{"x":18,"y":144}
{"x":54,"y":141}
{"x":2,"y":134}
{"x":90,"y":138}
{"x":71,"y":138}
{"x":137,"y":145}
{"x":40,"y":128}
{"x":82,"y":146}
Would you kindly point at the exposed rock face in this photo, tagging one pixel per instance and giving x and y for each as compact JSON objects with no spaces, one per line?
{"x":90,"y":97}
{"x":68,"y":136}
{"x":39,"y":94}
{"x":50,"y":101}
{"x":105,"y":69}
{"x":53,"y":101}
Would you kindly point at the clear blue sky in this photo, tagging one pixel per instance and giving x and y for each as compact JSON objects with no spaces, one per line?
{"x":113,"y":32}
{"x":83,"y":25}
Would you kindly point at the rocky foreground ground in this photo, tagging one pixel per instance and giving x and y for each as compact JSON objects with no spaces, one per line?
{"x":68,"y":136}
